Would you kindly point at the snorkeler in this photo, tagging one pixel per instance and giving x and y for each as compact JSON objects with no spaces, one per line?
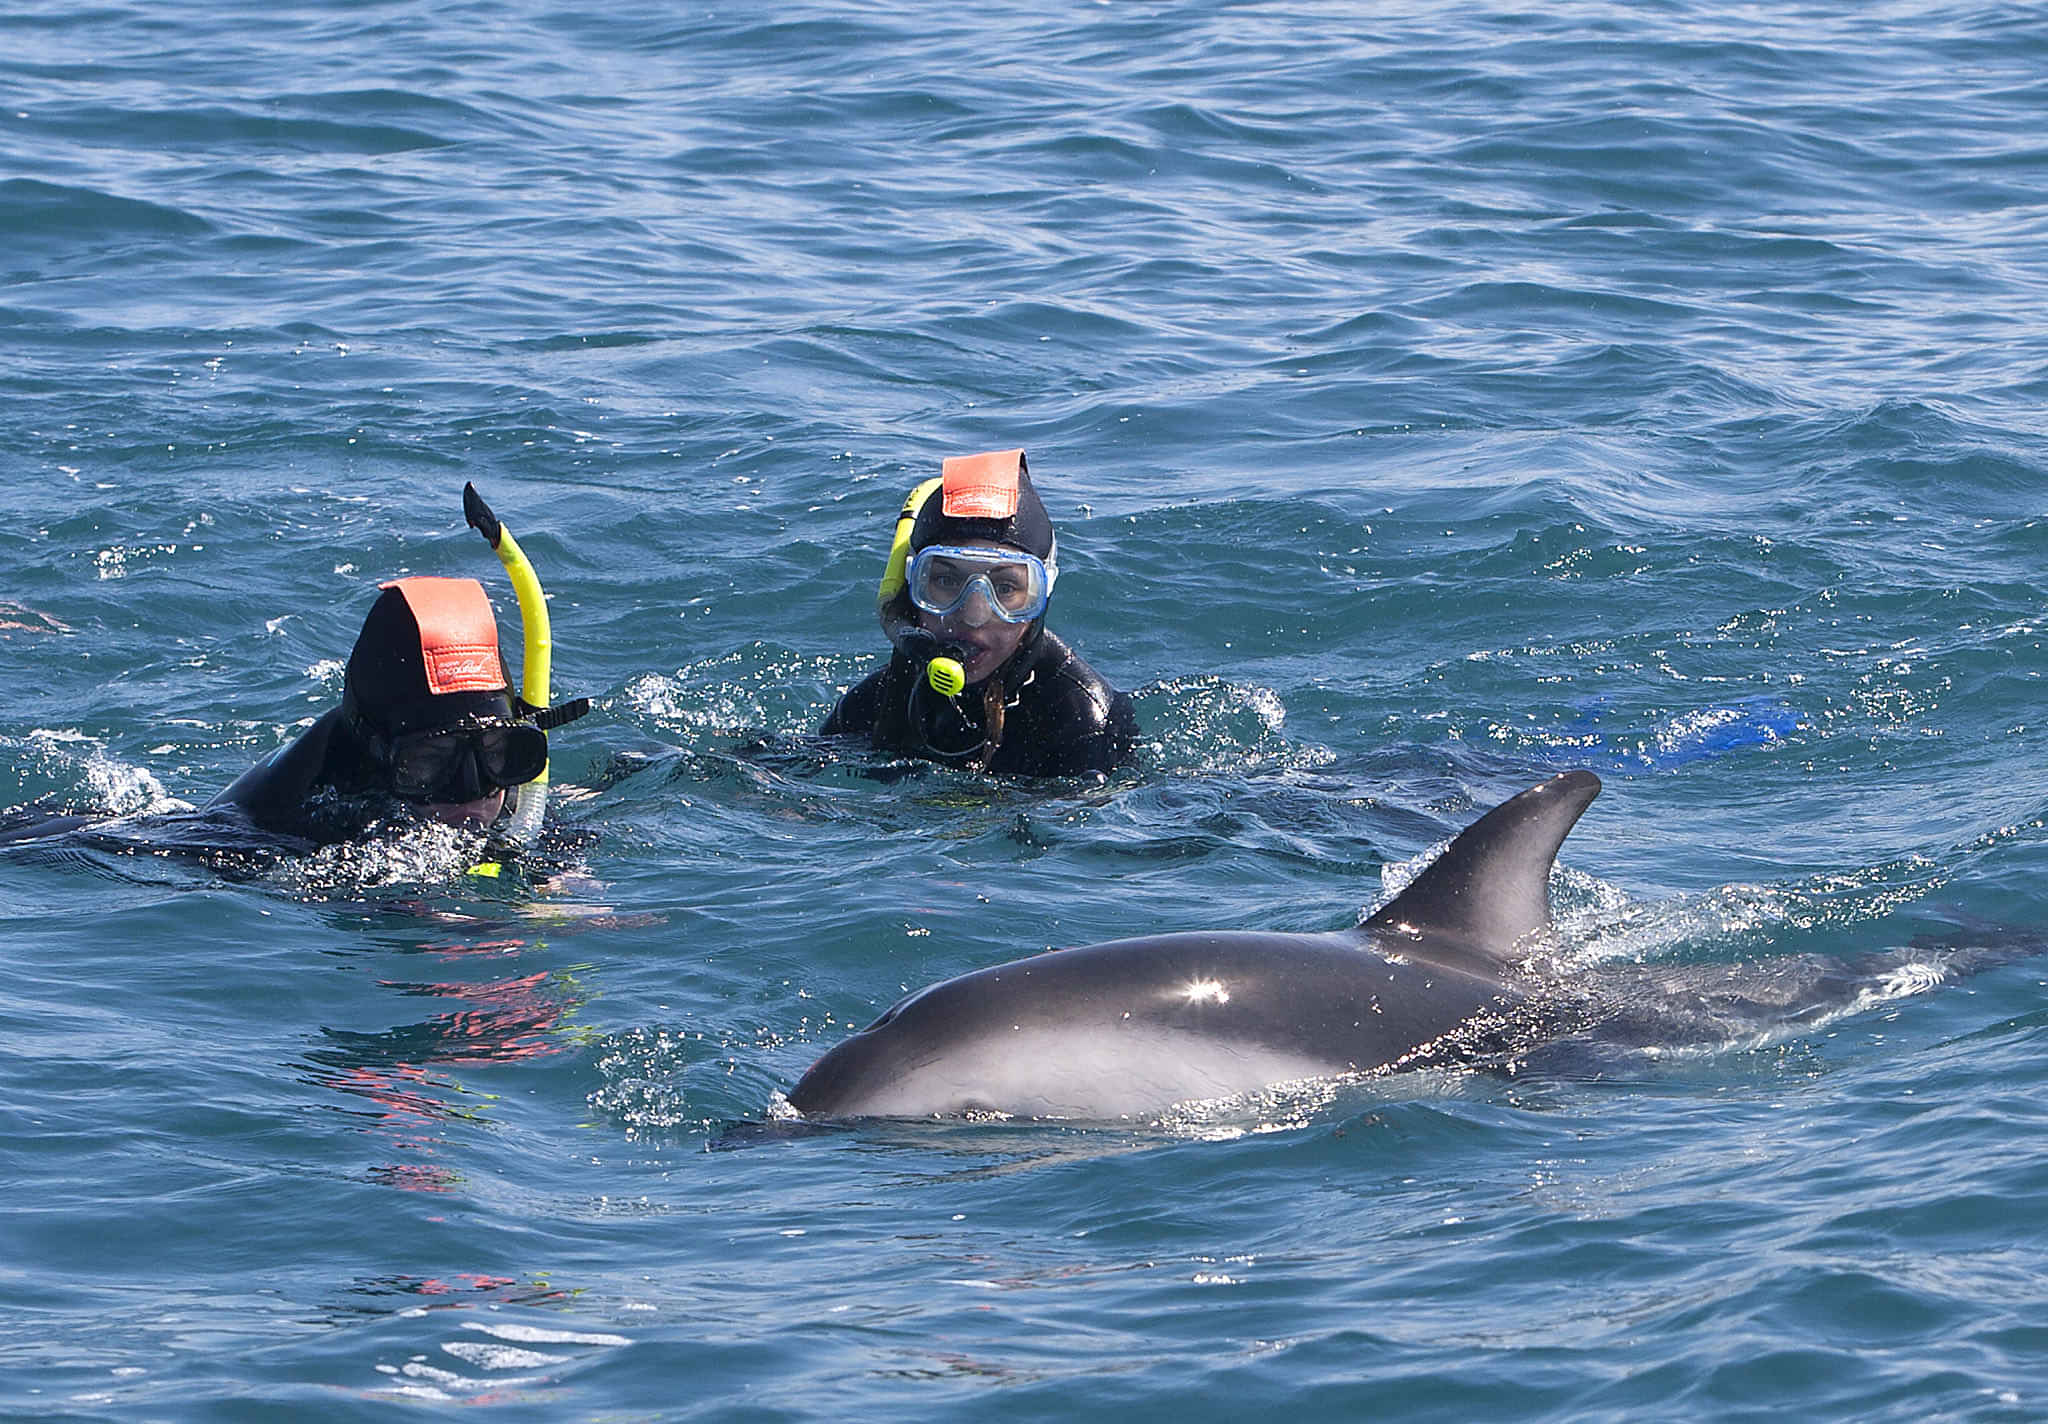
{"x":975,"y":679}
{"x":427,"y":720}
{"x":429,"y":727}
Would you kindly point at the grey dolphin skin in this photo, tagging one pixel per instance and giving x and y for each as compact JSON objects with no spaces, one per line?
{"x":1134,"y":1026}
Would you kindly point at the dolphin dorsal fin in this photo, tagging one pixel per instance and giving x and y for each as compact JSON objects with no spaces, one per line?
{"x":1491,"y":888}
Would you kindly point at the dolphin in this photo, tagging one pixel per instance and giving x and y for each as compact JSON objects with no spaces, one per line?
{"x":1134,"y":1026}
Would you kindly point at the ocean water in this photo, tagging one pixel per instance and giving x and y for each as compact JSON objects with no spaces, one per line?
{"x":1429,"y":398}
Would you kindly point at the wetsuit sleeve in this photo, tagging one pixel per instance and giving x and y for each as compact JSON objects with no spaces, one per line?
{"x":273,"y":793}
{"x":855,"y":714}
{"x":1073,"y":722}
{"x":1100,"y":731}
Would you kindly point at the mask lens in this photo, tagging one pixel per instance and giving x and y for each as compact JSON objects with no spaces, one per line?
{"x":512,"y":755}
{"x":431,"y":766}
{"x":1015,"y":585}
{"x":421,"y":764}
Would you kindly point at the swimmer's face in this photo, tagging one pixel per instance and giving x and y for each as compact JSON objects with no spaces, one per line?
{"x":993,"y":641}
{"x":471,"y":814}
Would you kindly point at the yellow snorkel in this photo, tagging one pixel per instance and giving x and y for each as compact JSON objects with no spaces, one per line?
{"x":945,"y":674}
{"x":536,"y":661}
{"x":896,"y":573}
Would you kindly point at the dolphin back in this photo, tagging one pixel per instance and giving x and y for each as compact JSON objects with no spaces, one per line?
{"x":1134,"y":1025}
{"x":1491,"y":888}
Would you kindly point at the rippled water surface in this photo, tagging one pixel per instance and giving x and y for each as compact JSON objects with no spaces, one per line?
{"x":1429,"y":398}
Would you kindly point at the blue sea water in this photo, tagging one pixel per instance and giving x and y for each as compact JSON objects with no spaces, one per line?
{"x":1429,"y":398}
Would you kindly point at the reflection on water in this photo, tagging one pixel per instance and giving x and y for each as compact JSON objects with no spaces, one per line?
{"x":402,"y":1071}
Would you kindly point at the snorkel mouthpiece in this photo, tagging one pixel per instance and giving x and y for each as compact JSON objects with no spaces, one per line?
{"x":944,"y":664}
{"x":946,"y":675}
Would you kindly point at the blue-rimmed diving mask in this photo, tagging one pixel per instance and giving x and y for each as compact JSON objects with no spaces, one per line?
{"x":1013,"y":586}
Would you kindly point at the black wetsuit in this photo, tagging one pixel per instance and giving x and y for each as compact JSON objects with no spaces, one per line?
{"x":316,"y":790}
{"x":1060,"y":718}
{"x":319,"y":787}
{"x":426,"y":659}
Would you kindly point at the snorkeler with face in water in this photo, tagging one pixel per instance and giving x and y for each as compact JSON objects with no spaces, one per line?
{"x":428,"y":727}
{"x":428,"y":718}
{"x":975,"y":679}
{"x":425,"y":719}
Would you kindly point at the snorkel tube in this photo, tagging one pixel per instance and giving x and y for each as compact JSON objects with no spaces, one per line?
{"x":536,"y":659}
{"x":945,"y":673}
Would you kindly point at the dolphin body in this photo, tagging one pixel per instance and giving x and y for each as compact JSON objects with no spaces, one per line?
{"x":1134,"y":1026}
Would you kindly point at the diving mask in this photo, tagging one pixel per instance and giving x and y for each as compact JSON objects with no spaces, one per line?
{"x":1014,"y":586}
{"x":468,"y":760}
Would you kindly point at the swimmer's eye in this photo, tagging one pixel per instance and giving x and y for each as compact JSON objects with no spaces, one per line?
{"x":944,"y":578}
